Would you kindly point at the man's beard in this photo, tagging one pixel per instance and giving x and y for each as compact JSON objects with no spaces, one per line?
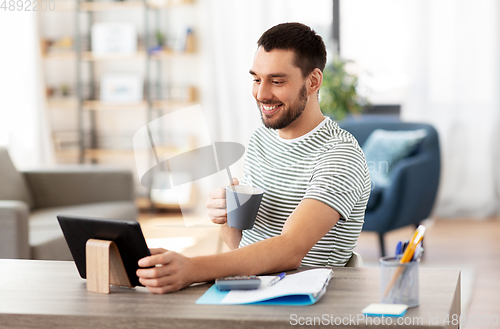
{"x":287,"y":115}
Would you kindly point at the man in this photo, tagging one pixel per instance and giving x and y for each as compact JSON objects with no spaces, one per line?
{"x":314,"y":176}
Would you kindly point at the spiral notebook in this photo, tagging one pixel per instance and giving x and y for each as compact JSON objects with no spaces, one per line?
{"x":299,"y":289}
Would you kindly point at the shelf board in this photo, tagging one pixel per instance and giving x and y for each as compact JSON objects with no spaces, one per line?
{"x":130,"y":5}
{"x":161,"y":55}
{"x":104,"y":106}
{"x":163,"y":4}
{"x":60,"y":55}
{"x":96,"y":105}
{"x":111,"y":5}
{"x":162,"y":151}
{"x":141,"y":54}
{"x":96,"y":154}
{"x":67,"y":155}
{"x":62,"y":102}
{"x":89,"y":56}
{"x":71,"y":5}
{"x":65,"y":5}
{"x":158,"y":105}
{"x":103,"y":153}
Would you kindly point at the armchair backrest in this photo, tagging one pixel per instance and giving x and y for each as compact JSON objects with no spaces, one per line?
{"x":430,"y":144}
{"x":13,"y":185}
{"x":362,"y":129}
{"x":414,"y":195}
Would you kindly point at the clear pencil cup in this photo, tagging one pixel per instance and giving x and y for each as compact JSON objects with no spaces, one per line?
{"x":399,"y":282}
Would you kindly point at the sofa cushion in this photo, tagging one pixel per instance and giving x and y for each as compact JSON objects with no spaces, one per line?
{"x":45,"y":235}
{"x":13,"y":185}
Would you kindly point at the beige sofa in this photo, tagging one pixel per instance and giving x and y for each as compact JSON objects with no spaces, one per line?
{"x":30,"y":201}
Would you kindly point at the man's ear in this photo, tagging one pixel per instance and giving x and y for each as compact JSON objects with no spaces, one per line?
{"x":314,"y":81}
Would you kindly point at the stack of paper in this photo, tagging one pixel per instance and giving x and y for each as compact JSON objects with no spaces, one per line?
{"x":303,"y":288}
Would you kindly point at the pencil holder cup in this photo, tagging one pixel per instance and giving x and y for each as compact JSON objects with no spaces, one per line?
{"x":399,"y":282}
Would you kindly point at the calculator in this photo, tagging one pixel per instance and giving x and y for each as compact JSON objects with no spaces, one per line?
{"x":238,"y":283}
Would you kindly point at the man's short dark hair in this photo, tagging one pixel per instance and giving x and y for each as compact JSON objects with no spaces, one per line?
{"x":309,"y":48}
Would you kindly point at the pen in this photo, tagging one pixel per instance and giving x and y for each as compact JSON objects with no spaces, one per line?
{"x":277,"y":279}
{"x":399,"y":249}
{"x":418,"y":252}
{"x":407,"y":256}
{"x":405,"y":244}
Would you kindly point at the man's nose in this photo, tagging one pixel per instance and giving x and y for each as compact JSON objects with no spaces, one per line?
{"x":264,"y":92}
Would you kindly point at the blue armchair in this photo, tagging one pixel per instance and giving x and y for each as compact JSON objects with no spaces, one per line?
{"x":410,"y":195}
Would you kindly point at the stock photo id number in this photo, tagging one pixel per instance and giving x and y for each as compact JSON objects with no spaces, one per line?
{"x":27,"y":5}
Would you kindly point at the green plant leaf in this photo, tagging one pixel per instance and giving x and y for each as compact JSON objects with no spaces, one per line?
{"x":339,"y":92}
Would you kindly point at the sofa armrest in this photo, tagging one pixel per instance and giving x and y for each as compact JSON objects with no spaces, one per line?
{"x":14,"y":235}
{"x":79,"y":185}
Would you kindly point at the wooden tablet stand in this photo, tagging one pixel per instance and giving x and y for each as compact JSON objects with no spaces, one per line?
{"x":104,"y":266}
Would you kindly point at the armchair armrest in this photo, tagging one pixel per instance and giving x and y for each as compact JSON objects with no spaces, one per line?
{"x":79,"y":185}
{"x":14,"y":235}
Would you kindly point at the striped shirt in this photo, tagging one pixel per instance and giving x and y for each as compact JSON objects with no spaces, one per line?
{"x":326,"y":164}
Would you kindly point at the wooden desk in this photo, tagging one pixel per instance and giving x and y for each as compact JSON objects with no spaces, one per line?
{"x":47,"y":294}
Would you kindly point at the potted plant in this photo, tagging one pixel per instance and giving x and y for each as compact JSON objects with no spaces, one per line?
{"x":339,"y":95}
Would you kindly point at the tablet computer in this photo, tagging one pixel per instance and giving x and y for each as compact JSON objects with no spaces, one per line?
{"x":126,"y":234}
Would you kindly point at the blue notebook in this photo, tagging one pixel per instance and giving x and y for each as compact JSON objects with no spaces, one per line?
{"x":299,"y":289}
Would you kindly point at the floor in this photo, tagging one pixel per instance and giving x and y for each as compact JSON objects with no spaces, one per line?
{"x":471,"y":245}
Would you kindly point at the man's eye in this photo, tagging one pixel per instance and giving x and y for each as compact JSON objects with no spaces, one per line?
{"x":256,"y":80}
{"x":277,"y":82}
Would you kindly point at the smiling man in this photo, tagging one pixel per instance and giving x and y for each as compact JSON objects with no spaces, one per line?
{"x":314,"y":176}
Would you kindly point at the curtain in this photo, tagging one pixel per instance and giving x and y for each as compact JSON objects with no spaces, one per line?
{"x":455,"y":87}
{"x":24,"y":128}
{"x":439,"y":59}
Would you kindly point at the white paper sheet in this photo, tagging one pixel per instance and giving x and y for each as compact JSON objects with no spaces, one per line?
{"x":306,"y":282}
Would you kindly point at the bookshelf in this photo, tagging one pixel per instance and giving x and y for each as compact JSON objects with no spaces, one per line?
{"x":86,"y":128}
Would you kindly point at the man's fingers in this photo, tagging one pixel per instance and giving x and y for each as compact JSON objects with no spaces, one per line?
{"x":148,"y":261}
{"x":156,"y":251}
{"x":218,"y":193}
{"x":161,"y":285}
{"x":161,"y":258}
{"x":219,"y":220}
{"x":151,"y":273}
{"x":156,"y":281}
{"x":215,"y":213}
{"x":162,"y":290}
{"x":216,"y":203}
{"x":156,"y":272}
